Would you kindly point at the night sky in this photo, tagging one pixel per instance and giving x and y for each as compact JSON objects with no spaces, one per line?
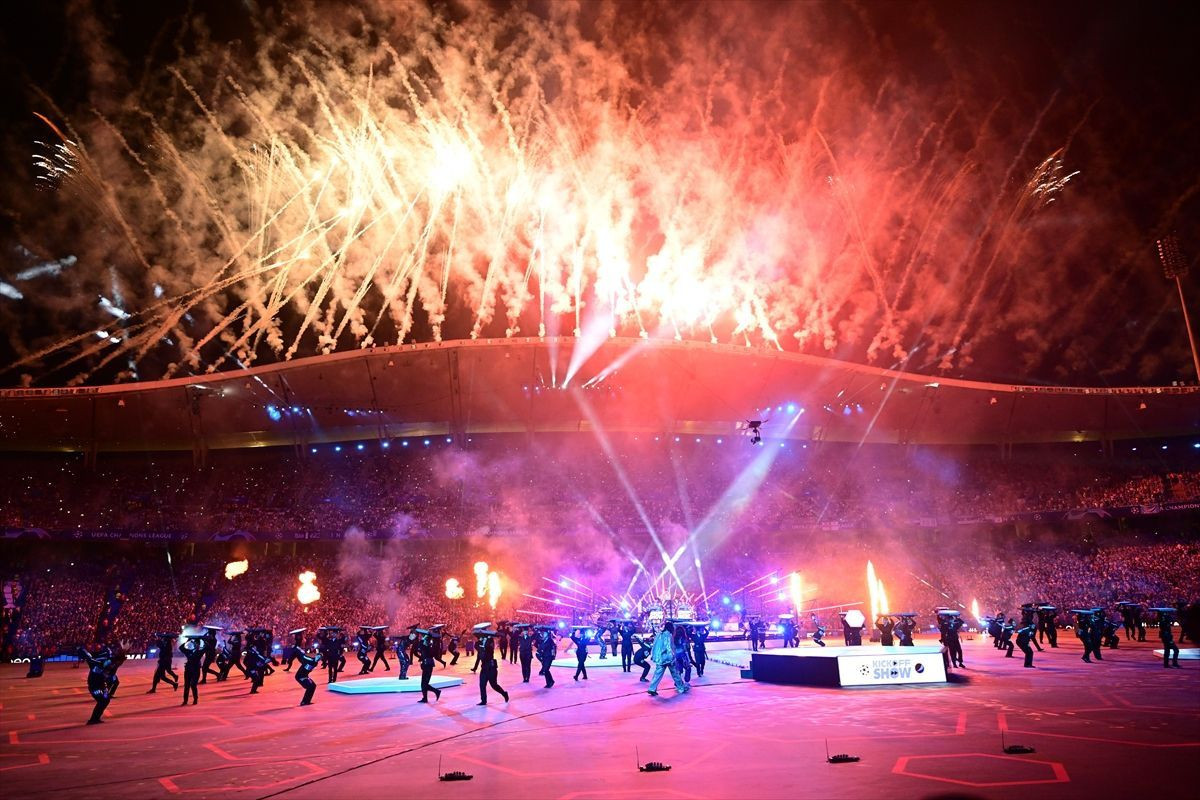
{"x":859,"y":177}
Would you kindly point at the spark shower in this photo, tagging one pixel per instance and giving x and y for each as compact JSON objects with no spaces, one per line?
{"x":347,"y":180}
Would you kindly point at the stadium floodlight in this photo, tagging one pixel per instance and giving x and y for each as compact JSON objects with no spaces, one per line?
{"x":1175,"y":267}
{"x":753,"y":429}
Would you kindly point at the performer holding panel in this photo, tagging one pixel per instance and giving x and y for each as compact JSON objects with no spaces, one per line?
{"x":489,"y":668}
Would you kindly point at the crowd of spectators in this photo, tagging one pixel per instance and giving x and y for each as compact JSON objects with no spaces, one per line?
{"x":415,"y":504}
{"x":498,"y":483}
{"x":403,"y":584}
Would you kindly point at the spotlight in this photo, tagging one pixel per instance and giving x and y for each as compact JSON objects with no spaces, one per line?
{"x":361,"y":445}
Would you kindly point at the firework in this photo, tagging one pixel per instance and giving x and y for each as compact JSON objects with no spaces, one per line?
{"x":453,"y":590}
{"x":235,"y":568}
{"x":491,"y":177}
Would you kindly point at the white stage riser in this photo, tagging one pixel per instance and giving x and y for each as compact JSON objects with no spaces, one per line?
{"x":850,"y":666}
{"x":391,"y":685}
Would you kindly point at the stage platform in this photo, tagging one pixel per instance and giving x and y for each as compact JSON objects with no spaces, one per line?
{"x":593,"y":662}
{"x":391,"y":685}
{"x":727,"y":738}
{"x":1189,"y":653}
{"x":734,"y":657}
{"x":866,"y":665}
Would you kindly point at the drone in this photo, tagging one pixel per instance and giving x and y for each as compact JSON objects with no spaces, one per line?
{"x":753,"y":429}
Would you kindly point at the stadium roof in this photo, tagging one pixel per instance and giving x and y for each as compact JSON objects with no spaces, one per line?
{"x":626,"y":385}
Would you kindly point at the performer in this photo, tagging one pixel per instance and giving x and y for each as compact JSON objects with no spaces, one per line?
{"x":699,"y":647}
{"x":663,"y":655}
{"x":995,"y":629}
{"x":1166,"y":621}
{"x":362,"y":648}
{"x":626,"y":634}
{"x":404,"y":648}
{"x":502,"y":631}
{"x":885,"y":625}
{"x":307,"y":664}
{"x":683,"y":651}
{"x":439,"y":648}
{"x":1126,"y":609}
{"x":1028,"y":611}
{"x":1093,"y":635}
{"x":164,"y":671}
{"x":525,"y":644}
{"x":256,"y":665}
{"x":1041,"y":613}
{"x":489,"y":668}
{"x":454,"y":639}
{"x":37,"y":663}
{"x":330,"y":645}
{"x":379,"y":634}
{"x":340,"y":640}
{"x":193,"y":653}
{"x":224,"y":659}
{"x":514,"y":642}
{"x":1006,"y":632}
{"x":818,"y":634}
{"x":949,"y":624}
{"x":231,"y":656}
{"x":1083,"y":624}
{"x":547,"y":649}
{"x":579,"y":635}
{"x":1047,"y":615}
{"x":210,"y":652}
{"x":101,"y":680}
{"x":791,"y":631}
{"x":1109,"y":632}
{"x":265,"y":643}
{"x":905,"y":628}
{"x":1024,"y":636}
{"x":296,"y":648}
{"x":1138,"y":623}
{"x":752,"y":625}
{"x":641,"y":657}
{"x":426,"y":650}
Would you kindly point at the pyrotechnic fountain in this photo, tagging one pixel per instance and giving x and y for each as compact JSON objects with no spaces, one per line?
{"x":235,"y":568}
{"x":487,"y":583}
{"x":796,"y":591}
{"x":878,"y":597}
{"x":308,"y":592}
